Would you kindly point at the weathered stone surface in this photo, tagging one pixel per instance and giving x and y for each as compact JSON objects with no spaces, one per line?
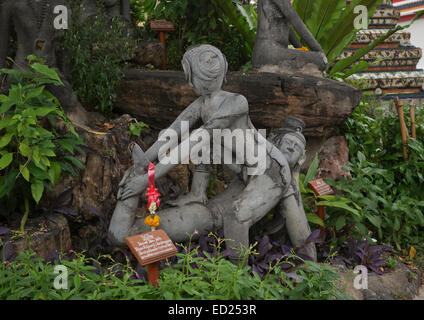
{"x":158,"y":97}
{"x":333,"y":155}
{"x":57,"y":237}
{"x":401,"y":283}
{"x":105,"y":160}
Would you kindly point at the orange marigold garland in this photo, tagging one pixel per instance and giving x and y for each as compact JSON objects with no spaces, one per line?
{"x":303,"y":49}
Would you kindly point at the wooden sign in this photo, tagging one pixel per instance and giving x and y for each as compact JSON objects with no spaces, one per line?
{"x":161,"y":25}
{"x":151,"y":247}
{"x":320,"y":188}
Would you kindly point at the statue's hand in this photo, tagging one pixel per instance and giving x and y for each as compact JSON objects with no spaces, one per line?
{"x":132,"y":186}
{"x":188,"y":198}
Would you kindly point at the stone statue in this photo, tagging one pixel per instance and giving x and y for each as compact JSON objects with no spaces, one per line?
{"x":248,"y":199}
{"x":274,"y":33}
{"x":33,"y":23}
{"x":113,"y":8}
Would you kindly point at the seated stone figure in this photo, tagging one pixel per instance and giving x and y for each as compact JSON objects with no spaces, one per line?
{"x":246,"y":201}
{"x":274,"y":33}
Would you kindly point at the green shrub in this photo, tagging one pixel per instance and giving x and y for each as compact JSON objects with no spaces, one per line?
{"x":383,"y":198}
{"x":196,"y":22}
{"x":31,"y":156}
{"x":96,"y":50}
{"x":388,"y":189}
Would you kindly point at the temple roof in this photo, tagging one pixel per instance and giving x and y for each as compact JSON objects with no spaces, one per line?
{"x":408,"y":8}
{"x":393,"y":71}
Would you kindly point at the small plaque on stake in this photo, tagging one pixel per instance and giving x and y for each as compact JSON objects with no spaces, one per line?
{"x":320,"y":188}
{"x":161,"y":25}
{"x":151,"y":247}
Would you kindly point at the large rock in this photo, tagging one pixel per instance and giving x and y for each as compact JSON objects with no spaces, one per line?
{"x":149,"y":52}
{"x":333,"y":156}
{"x":401,"y":283}
{"x":45,"y":235}
{"x":158,"y":97}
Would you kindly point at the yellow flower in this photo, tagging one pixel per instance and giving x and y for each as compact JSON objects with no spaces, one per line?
{"x":303,"y":49}
{"x":152,"y":222}
{"x":412,"y":252}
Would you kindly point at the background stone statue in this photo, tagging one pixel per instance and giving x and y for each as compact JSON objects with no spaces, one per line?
{"x":274,"y":33}
{"x":243,"y":204}
{"x":33,"y":23}
{"x":113,"y":8}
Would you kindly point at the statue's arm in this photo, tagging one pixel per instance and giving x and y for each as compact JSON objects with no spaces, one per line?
{"x":5,"y":20}
{"x":191,"y":114}
{"x":291,"y":15}
{"x":294,"y":40}
{"x":220,"y":121}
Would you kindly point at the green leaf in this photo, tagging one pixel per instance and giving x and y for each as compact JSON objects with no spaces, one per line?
{"x":7,"y":105}
{"x":47,"y":152}
{"x":30,"y":94}
{"x":67,"y":145}
{"x":310,"y":175}
{"x":24,"y":149}
{"x":7,"y":122}
{"x":36,"y":154}
{"x":313,"y":218}
{"x":340,"y":223}
{"x":4,"y":141}
{"x":54,"y":172}
{"x":45,"y":70}
{"x":75,"y":162}
{"x":5,"y":160}
{"x":37,"y":189}
{"x":24,"y":172}
{"x":339,"y":204}
{"x":43,"y":111}
{"x":376,"y":221}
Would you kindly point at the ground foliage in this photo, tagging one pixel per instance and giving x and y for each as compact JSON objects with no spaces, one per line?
{"x":194,"y":274}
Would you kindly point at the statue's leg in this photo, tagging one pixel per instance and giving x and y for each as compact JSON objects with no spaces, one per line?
{"x":122,"y":220}
{"x":297,"y":226}
{"x":180,"y":223}
{"x":255,"y":201}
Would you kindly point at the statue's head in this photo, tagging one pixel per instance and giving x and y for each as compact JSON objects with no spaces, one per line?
{"x":291,"y":142}
{"x":205,"y":68}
